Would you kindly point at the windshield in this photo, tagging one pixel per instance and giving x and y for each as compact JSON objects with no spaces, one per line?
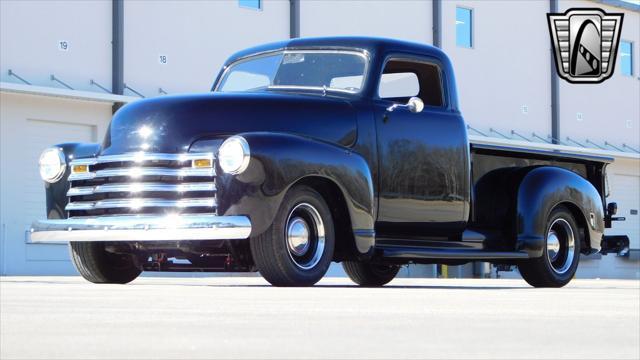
{"x":310,"y":69}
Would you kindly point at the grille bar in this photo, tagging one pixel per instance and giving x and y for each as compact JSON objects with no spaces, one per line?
{"x":136,"y":172}
{"x":141,"y":187}
{"x":138,"y":203}
{"x":141,"y":157}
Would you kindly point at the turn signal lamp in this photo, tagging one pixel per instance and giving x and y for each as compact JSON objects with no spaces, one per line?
{"x":79,"y":169}
{"x":202,"y":163}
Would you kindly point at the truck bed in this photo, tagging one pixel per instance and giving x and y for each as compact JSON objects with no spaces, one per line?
{"x":495,"y":170}
{"x":542,"y":154}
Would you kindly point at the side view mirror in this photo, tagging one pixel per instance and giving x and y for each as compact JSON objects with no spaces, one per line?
{"x":415,"y":105}
{"x":612,"y":208}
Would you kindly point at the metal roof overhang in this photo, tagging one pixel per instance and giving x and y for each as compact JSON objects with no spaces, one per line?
{"x":13,"y":88}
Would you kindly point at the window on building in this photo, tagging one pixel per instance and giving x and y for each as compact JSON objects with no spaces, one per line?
{"x":626,"y":58}
{"x":464,"y":29}
{"x":251,"y":4}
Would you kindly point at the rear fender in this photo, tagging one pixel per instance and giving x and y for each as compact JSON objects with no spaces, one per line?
{"x":540,"y":191}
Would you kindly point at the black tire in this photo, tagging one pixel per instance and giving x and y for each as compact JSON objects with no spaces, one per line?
{"x":101,"y":267}
{"x":367,"y":274}
{"x":272,"y":254}
{"x":545,"y":272}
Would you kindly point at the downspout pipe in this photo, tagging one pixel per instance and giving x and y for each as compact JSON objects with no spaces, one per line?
{"x":437,"y":22}
{"x":117,"y":49}
{"x":294,"y":19}
{"x":555,"y":86}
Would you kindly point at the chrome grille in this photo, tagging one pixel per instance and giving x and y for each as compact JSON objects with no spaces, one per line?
{"x":142,"y":183}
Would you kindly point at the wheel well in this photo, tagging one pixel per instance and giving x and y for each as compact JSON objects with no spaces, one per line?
{"x":331,"y":193}
{"x":581,"y":221}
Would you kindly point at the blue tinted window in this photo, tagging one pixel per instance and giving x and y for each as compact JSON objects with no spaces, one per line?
{"x":253,"y":74}
{"x":253,"y":4}
{"x":464,"y":35}
{"x":626,"y":58}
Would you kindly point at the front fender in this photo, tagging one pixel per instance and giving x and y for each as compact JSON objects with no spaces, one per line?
{"x":540,"y":191}
{"x":280,"y":160}
{"x":56,"y":193}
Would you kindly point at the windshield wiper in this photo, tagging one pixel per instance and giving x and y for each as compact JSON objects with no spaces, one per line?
{"x":324,"y":89}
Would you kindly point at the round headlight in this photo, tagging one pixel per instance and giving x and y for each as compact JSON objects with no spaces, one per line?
{"x":233,"y":155}
{"x":52,"y":165}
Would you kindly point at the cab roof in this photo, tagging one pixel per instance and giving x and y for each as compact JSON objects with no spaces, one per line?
{"x":373,"y":45}
{"x":377,"y":49}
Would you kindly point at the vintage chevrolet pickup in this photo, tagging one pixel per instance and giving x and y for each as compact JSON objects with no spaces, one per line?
{"x":310,"y":151}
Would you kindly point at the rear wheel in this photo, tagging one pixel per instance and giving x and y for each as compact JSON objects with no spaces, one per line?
{"x":97,"y":265}
{"x":367,"y":274}
{"x":297,"y":249}
{"x":561,"y":254}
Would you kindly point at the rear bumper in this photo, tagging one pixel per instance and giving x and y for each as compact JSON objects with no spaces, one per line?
{"x":142,"y":228}
{"x":618,"y":244}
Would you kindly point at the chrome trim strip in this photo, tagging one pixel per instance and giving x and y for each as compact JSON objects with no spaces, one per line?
{"x":135,"y":172}
{"x":142,"y":157}
{"x":81,"y":176}
{"x":141,"y":187}
{"x":142,"y":228}
{"x":138,"y":203}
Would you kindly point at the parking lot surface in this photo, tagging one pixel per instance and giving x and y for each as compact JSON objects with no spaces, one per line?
{"x":238,"y":317}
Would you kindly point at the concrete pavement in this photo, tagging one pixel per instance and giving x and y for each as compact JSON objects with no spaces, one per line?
{"x":233,"y":317}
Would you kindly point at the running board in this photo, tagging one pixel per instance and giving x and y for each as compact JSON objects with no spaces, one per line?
{"x":431,"y":253}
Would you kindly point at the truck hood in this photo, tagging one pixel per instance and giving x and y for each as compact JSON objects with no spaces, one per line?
{"x":170,"y":124}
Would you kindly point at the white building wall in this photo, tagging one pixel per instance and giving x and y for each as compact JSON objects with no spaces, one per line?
{"x":30,"y":33}
{"x":507,"y":66}
{"x":400,"y":19}
{"x":28,"y":125}
{"x":196,"y":37}
{"x":613,"y":104}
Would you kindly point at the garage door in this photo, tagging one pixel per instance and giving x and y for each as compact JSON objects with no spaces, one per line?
{"x":40,"y":134}
{"x":24,"y":191}
{"x":625,"y":190}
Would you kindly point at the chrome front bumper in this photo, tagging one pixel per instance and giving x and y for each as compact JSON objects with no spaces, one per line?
{"x":142,"y":228}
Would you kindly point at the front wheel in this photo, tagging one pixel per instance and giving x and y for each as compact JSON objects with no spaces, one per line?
{"x":297,"y":249}
{"x":561,"y":254}
{"x":367,"y":274}
{"x":99,"y":266}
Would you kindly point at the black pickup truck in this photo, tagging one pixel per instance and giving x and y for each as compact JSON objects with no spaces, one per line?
{"x":310,"y":151}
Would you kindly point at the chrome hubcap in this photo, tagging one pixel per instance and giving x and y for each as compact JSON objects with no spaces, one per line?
{"x":553,"y":245}
{"x":304,"y":233}
{"x":298,"y":236}
{"x":561,"y":246}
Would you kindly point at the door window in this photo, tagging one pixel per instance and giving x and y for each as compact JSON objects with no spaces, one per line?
{"x":399,"y":85}
{"x":402,"y":79}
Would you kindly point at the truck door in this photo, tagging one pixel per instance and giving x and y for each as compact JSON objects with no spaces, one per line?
{"x":423,"y":156}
